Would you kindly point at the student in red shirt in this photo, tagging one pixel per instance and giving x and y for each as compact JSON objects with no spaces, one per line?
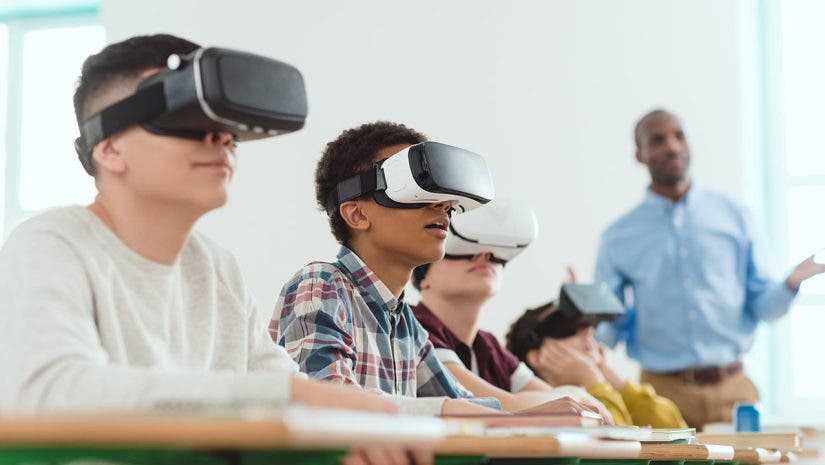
{"x":454,"y":291}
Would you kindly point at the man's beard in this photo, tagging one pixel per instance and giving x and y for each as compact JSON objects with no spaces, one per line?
{"x":663,"y":177}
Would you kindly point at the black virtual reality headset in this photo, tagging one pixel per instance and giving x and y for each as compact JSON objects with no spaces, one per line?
{"x":503,"y":228}
{"x":210,"y":89}
{"x":420,"y":175}
{"x":579,"y":306}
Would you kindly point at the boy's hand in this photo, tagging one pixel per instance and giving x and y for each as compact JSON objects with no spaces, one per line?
{"x":568,"y":366}
{"x":610,"y":376}
{"x":560,"y":406}
{"x":378,"y":456}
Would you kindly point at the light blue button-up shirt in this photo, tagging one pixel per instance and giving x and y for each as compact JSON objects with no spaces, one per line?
{"x":696,"y":277}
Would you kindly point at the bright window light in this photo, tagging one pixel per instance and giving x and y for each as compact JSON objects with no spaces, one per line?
{"x":806,"y":330}
{"x":4,"y":58}
{"x":803,"y":97}
{"x":50,"y":173}
{"x":804,"y":94}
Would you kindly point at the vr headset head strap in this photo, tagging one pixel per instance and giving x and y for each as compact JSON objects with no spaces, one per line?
{"x":143,"y":105}
{"x":356,"y":186}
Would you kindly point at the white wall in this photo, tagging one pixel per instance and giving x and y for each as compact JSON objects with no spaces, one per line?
{"x":548,"y":91}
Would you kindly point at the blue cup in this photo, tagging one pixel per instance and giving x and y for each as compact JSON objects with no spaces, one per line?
{"x":746,"y":418}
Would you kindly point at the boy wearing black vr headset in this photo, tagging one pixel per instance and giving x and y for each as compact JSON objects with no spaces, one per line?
{"x":562,"y":350}
{"x":388,"y":193}
{"x":121,"y":305}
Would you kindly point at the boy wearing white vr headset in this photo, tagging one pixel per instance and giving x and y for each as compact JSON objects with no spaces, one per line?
{"x":454,"y":291}
{"x":388,"y":194}
{"x":120,"y":305}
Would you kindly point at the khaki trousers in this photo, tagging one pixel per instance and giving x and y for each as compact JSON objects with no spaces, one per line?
{"x":704,"y":403}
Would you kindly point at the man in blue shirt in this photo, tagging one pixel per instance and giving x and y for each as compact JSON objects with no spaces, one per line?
{"x":698,"y":279}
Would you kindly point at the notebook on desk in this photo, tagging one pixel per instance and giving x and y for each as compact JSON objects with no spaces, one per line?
{"x":781,"y":441}
{"x":614,"y":432}
{"x":482,"y":423}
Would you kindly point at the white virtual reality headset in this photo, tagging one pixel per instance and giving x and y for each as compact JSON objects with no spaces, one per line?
{"x":420,"y":175}
{"x":504,"y":228}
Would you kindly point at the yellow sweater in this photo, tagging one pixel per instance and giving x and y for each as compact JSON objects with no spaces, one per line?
{"x":638,"y":404}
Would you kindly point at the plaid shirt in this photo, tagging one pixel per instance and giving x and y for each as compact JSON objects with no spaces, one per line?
{"x":340,"y":323}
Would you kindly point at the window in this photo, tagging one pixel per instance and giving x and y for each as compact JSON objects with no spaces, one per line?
{"x":794,"y":190}
{"x":4,"y":57}
{"x":803,"y":98}
{"x":41,"y":52}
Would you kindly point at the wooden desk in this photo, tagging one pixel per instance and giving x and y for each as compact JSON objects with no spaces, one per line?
{"x":294,"y":436}
{"x":757,"y":456}
{"x":316,"y":437}
{"x":291,"y":429}
{"x":571,"y":450}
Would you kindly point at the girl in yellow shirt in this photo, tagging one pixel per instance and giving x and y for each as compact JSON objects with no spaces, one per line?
{"x":579,"y":360}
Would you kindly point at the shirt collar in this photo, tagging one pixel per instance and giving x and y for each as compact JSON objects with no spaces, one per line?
{"x":655,"y":199}
{"x":366,"y":280}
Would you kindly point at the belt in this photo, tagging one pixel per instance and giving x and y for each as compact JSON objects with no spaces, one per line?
{"x":707,"y":375}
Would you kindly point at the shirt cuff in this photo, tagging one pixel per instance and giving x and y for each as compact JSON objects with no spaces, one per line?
{"x":489,"y":402}
{"x":429,"y":406}
{"x":521,"y":377}
{"x":267,"y":388}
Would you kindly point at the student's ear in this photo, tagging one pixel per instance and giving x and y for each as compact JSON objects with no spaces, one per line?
{"x":108,"y":157}
{"x":639,"y":157}
{"x":354,"y":215}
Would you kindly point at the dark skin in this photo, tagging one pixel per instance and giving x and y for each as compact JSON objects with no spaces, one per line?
{"x":392,"y":242}
{"x":664,"y":149}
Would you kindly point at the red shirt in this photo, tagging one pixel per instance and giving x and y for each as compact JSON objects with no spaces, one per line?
{"x":496,"y":364}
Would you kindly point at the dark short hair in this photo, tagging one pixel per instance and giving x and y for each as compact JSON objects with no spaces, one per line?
{"x":122,"y":63}
{"x":351,"y":153}
{"x":640,"y":124}
{"x":522,"y":337}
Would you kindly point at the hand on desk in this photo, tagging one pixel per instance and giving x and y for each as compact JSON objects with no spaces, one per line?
{"x":566,"y":406}
{"x":806,"y":269}
{"x":389,"y":457}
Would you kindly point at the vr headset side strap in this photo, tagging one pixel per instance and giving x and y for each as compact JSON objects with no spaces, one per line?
{"x":139,"y":107}
{"x":356,"y":186}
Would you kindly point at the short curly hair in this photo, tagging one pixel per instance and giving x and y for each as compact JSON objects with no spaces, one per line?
{"x":351,"y":153}
{"x":522,"y":336}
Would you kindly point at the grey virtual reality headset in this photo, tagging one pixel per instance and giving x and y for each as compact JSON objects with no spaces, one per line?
{"x":210,"y":89}
{"x":420,"y":175}
{"x":503,"y":228}
{"x":579,"y":306}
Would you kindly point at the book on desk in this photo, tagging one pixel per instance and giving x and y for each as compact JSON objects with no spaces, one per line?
{"x":779,"y":441}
